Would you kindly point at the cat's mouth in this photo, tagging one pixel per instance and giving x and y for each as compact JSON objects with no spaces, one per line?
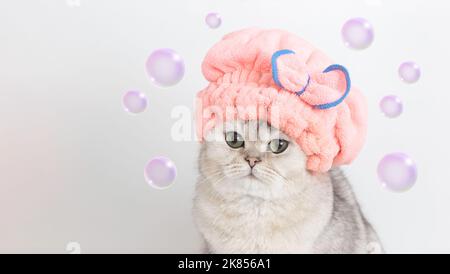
{"x":253,"y":175}
{"x":250,"y":174}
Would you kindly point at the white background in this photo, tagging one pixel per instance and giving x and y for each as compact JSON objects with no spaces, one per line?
{"x":71,"y":160}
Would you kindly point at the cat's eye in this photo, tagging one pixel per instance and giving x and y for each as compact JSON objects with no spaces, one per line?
{"x":278,"y":145}
{"x":234,"y":139}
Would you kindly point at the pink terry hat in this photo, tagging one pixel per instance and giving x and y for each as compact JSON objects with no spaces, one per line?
{"x":278,"y":72}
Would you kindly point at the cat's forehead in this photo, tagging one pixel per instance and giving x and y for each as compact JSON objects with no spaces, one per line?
{"x":254,"y":130}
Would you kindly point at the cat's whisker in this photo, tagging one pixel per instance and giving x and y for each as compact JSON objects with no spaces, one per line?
{"x":210,"y":168}
{"x":273,"y":173}
{"x":212,"y":174}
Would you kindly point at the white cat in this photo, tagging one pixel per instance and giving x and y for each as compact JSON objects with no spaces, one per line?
{"x":255,"y":195}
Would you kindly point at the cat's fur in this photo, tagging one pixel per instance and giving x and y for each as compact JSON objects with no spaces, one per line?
{"x":278,"y":206}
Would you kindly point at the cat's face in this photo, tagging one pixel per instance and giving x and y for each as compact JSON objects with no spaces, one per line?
{"x":252,"y":158}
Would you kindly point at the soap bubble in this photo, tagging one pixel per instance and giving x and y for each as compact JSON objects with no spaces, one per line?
{"x":134,"y":101}
{"x":409,"y":72}
{"x":357,"y":33}
{"x":160,"y":172}
{"x":397,"y":172}
{"x":213,"y":20}
{"x":391,"y":106}
{"x":165,"y":67}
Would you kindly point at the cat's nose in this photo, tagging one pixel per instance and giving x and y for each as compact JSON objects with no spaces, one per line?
{"x":252,"y":161}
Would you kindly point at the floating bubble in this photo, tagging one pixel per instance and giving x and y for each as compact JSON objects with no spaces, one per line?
{"x":213,"y":20}
{"x":397,"y":172}
{"x":357,"y":33}
{"x":391,"y":106}
{"x":165,"y":67}
{"x":134,"y":101}
{"x":409,"y":72}
{"x":160,"y":172}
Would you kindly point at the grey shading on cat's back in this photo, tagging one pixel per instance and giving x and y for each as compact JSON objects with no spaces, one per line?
{"x":358,"y":235}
